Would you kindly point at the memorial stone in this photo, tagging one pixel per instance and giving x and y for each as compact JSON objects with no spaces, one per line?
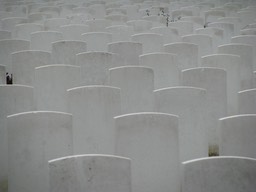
{"x":42,"y":40}
{"x":129,"y":52}
{"x":24,"y":64}
{"x":13,"y":99}
{"x":23,"y":31}
{"x":64,"y":52}
{"x":170,"y":34}
{"x":214,"y":80}
{"x":53,"y":24}
{"x":34,"y":138}
{"x":97,"y":41}
{"x":189,"y":103}
{"x":95,"y":67}
{"x":120,"y":32}
{"x":5,"y":35}
{"x":51,"y":84}
{"x":151,"y":42}
{"x":2,"y":74}
{"x":165,"y":67}
{"x":246,"y":68}
{"x":234,"y":174}
{"x":90,"y":173}
{"x":137,"y":85}
{"x":247,"y":101}
{"x":7,"y":47}
{"x":93,"y":109}
{"x":187,"y":54}
{"x":237,"y":135}
{"x":140,"y":136}
{"x":204,"y":43}
{"x":73,"y":31}
{"x":231,"y":64}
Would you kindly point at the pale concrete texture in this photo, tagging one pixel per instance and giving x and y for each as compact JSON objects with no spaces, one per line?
{"x":165,"y":67}
{"x":214,"y":80}
{"x":64,"y":52}
{"x":38,"y":17}
{"x":97,"y":41}
{"x":151,"y":141}
{"x":234,"y":20}
{"x":51,"y":84}
{"x":93,"y":109}
{"x":215,"y":174}
{"x":42,"y":40}
{"x":24,"y":64}
{"x":231,"y":64}
{"x":137,"y":85}
{"x":187,"y":54}
{"x":204,"y":43}
{"x":13,"y":99}
{"x":98,"y":11}
{"x":217,"y":35}
{"x":251,"y":31}
{"x":238,"y":135}
{"x":246,"y":68}
{"x":185,"y":27}
{"x":2,"y":74}
{"x":98,"y":25}
{"x":9,"y":23}
{"x":5,"y":34}
{"x":117,"y":19}
{"x":151,"y":42}
{"x":92,"y":173}
{"x":23,"y":31}
{"x":129,"y":52}
{"x":54,"y":24}
{"x":120,"y":32}
{"x":140,"y":26}
{"x":229,"y":30}
{"x":34,"y":138}
{"x":198,"y":22}
{"x":95,"y":67}
{"x":170,"y":34}
{"x":213,"y":15}
{"x":247,"y":39}
{"x":247,"y":101}
{"x":73,"y":31}
{"x":7,"y":47}
{"x":189,"y":103}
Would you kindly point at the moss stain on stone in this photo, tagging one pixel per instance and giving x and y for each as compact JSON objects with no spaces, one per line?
{"x":4,"y":185}
{"x":213,"y":150}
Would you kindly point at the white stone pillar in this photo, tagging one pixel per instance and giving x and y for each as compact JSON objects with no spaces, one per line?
{"x":137,"y":86}
{"x":234,"y":174}
{"x":93,"y":109}
{"x":92,"y":173}
{"x":238,"y":135}
{"x":189,"y":103}
{"x":13,"y":99}
{"x":51,"y":85}
{"x":151,"y":141}
{"x":34,"y":138}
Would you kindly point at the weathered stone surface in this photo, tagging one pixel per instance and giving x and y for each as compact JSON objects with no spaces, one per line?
{"x":137,"y":85}
{"x":34,"y":138}
{"x":13,"y":99}
{"x":24,"y":64}
{"x":238,"y":135}
{"x":90,"y":173}
{"x":93,"y":109}
{"x":151,"y":141}
{"x":234,"y":174}
{"x":189,"y":103}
